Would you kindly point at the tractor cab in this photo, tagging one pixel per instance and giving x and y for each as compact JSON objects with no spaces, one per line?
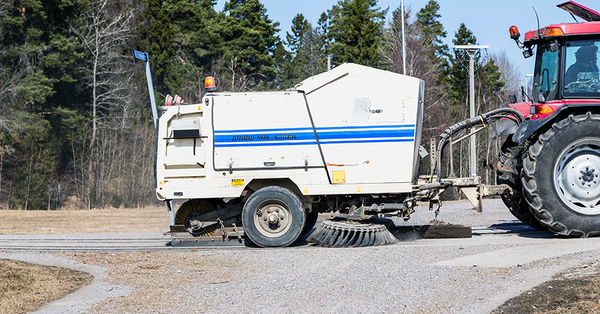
{"x":566,"y":65}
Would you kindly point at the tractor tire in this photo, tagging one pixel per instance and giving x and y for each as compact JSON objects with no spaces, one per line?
{"x":514,"y":200}
{"x":561,"y":176}
{"x":273,"y":217}
{"x":518,"y":207}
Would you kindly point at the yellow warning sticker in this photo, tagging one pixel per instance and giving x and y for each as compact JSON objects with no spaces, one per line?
{"x":339,"y":176}
{"x":237,"y":182}
{"x":160,"y":182}
{"x":199,"y":108}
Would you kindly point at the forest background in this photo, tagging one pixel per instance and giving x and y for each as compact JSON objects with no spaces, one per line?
{"x":75,"y":123}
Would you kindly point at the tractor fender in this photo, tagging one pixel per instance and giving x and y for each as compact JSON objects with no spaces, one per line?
{"x":505,"y":127}
{"x":529,"y":127}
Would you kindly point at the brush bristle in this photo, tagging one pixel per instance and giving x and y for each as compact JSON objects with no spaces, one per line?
{"x":342,"y":234}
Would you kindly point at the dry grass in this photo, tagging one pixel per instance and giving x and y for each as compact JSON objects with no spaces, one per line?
{"x":572,"y":292}
{"x":121,"y":220}
{"x":26,"y":287}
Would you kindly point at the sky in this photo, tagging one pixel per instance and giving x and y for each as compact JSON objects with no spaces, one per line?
{"x":488,"y":20}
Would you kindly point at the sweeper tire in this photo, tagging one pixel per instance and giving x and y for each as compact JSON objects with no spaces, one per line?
{"x":273,"y":216}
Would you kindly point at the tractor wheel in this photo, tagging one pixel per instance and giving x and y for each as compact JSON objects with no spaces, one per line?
{"x":516,"y":203}
{"x":561,"y":176}
{"x":273,"y":216}
{"x":518,"y":207}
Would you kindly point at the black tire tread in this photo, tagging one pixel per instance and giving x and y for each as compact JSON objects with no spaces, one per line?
{"x":291,"y":236}
{"x":530,"y":185}
{"x":514,"y":200}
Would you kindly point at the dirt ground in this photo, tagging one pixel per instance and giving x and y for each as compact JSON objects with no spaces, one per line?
{"x":574,"y":291}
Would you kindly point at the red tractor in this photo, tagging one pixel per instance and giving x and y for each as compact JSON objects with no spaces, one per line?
{"x":552,"y":159}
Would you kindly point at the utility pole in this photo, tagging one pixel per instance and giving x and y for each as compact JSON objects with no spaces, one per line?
{"x":471,"y":51}
{"x":403,"y":39}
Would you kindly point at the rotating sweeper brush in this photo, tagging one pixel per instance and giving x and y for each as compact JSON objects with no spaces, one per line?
{"x":349,"y":233}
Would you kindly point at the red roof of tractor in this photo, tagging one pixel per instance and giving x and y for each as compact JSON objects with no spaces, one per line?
{"x":564,"y":29}
{"x":591,"y":26}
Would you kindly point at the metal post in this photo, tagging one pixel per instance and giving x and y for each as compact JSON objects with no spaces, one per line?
{"x":473,"y":161}
{"x":144,"y":57}
{"x":471,"y":50}
{"x":329,"y":63}
{"x":403,"y":40}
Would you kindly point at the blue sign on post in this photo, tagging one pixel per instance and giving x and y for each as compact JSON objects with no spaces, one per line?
{"x":140,"y":55}
{"x":144,"y":56}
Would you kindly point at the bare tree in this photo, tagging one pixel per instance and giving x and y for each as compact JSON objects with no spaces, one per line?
{"x":103,"y":31}
{"x":418,"y":64}
{"x":510,"y":74}
{"x":436,"y":115}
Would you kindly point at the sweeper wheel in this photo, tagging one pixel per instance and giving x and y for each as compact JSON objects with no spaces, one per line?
{"x":273,"y":217}
{"x":350,"y":233}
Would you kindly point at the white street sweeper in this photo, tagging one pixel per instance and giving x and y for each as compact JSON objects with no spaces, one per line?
{"x":262,"y":165}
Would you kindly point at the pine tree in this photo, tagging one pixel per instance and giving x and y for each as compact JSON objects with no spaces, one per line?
{"x":305,"y":57}
{"x":489,"y":79}
{"x":456,"y":76}
{"x":299,"y":29}
{"x":42,"y":59}
{"x":292,"y":71}
{"x":196,"y":43}
{"x":248,"y":43}
{"x":157,"y":40}
{"x":354,"y":29}
{"x":433,"y":31}
{"x":34,"y":37}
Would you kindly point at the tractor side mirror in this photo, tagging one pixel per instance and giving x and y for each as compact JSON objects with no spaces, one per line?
{"x":512,"y":98}
{"x":554,"y":46}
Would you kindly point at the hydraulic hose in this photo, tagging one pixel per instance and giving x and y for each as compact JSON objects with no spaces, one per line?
{"x":485,"y":118}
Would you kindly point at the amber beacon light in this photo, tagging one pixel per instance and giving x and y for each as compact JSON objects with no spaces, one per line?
{"x":209,"y":84}
{"x":514,"y":32}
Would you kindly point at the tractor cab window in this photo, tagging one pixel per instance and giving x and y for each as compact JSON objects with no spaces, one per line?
{"x":581,"y":64}
{"x":545,"y":81}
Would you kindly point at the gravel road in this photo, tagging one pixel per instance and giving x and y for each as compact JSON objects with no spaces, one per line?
{"x":471,"y":275}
